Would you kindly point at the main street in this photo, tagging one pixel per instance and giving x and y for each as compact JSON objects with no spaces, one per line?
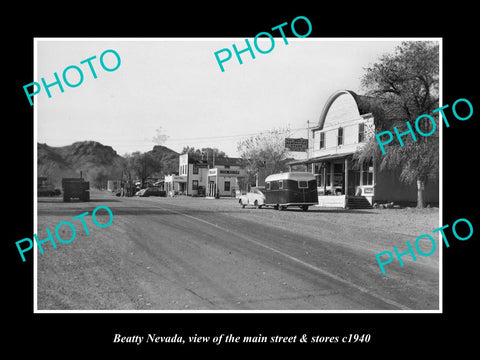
{"x":199,"y":254}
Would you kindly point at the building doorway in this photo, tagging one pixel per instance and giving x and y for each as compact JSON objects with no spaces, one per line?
{"x":212,"y":188}
{"x":338,"y":178}
{"x":181,"y":188}
{"x":353,"y":181}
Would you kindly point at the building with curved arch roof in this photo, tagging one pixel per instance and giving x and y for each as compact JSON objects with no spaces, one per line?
{"x":345,"y":124}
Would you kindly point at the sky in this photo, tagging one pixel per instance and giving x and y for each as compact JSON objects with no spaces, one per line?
{"x":176,"y":85}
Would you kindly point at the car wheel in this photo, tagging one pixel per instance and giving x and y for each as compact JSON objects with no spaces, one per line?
{"x":241,"y":203}
{"x":256,"y":204}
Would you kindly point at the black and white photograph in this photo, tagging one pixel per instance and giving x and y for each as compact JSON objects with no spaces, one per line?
{"x":258,"y":188}
{"x":262,"y":182}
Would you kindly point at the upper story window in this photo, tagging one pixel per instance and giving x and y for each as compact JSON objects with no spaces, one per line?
{"x":322,"y":140}
{"x":340,"y":136}
{"x":361,"y":132}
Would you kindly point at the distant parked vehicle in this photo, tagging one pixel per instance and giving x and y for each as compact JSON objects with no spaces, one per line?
{"x":255,"y":197}
{"x":151,"y":191}
{"x":47,"y":190}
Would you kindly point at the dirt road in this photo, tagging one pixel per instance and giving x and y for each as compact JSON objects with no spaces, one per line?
{"x":199,"y":254}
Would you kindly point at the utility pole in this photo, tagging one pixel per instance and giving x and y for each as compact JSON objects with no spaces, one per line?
{"x":308,"y":137}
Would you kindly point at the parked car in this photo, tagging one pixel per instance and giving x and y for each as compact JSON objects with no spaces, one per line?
{"x":151,"y":191}
{"x":255,"y":197}
{"x":47,"y":190}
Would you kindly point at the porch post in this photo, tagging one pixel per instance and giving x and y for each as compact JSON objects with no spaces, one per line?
{"x":331,"y":177}
{"x":324,"y":179}
{"x":346,"y":176}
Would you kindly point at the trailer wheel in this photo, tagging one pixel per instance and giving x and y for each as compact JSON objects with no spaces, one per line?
{"x":305,"y":207}
{"x":281,"y":208}
{"x":276,"y":207}
{"x":66,"y":197}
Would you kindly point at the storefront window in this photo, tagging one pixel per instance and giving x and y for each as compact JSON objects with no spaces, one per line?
{"x":227,"y":185}
{"x":367,"y":173}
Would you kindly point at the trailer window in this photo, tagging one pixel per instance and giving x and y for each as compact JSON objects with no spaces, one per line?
{"x":267,"y":186}
{"x":280,"y":184}
{"x":302,"y":184}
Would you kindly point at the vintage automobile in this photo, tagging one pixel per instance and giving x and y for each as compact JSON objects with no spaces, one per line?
{"x":150,"y":191}
{"x":255,"y":197}
{"x":298,"y":189}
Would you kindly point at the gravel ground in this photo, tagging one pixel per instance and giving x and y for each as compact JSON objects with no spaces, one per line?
{"x":408,"y":222}
{"x":153,"y":258}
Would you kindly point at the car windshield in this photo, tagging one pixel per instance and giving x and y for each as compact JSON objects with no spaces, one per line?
{"x":256,"y":191}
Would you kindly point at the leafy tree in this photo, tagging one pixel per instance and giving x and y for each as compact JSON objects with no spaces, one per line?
{"x":406,"y":85}
{"x":265,"y":151}
{"x":191,"y":151}
{"x":140,"y":165}
{"x":100,"y":178}
{"x":206,"y":152}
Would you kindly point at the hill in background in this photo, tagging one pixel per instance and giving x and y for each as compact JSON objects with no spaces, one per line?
{"x":96,"y":161}
{"x":167,"y":157}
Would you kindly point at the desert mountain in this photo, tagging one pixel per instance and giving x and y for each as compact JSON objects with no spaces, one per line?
{"x":96,"y":161}
{"x":167,"y":157}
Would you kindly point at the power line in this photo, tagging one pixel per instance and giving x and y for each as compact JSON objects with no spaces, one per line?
{"x":182,"y":139}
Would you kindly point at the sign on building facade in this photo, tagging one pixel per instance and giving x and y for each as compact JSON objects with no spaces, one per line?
{"x":296,"y":144}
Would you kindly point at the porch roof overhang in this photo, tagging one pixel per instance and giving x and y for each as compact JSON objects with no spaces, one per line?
{"x":321,"y":158}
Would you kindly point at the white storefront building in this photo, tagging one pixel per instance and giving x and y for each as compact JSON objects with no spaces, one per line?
{"x":211,"y":178}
